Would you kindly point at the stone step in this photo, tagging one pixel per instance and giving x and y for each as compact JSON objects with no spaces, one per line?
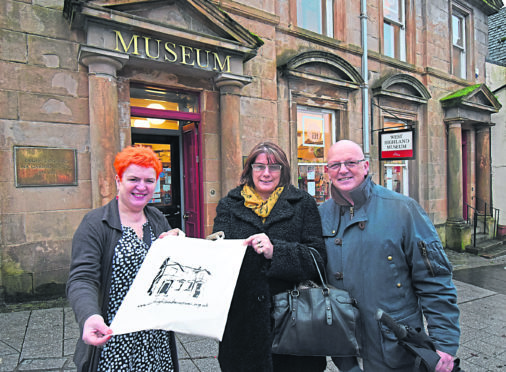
{"x":488,"y":248}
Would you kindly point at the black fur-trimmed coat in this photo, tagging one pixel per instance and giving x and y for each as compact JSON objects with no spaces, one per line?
{"x":293,"y":225}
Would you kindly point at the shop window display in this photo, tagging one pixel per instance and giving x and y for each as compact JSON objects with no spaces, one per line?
{"x":314,"y":137}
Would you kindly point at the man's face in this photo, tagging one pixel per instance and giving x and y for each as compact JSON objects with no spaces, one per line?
{"x":346,"y":178}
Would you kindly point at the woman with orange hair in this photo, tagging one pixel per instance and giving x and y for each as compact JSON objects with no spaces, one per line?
{"x":108,"y":249}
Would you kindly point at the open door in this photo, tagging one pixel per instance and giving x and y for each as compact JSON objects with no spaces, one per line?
{"x":167,"y":196}
{"x":191,"y":177}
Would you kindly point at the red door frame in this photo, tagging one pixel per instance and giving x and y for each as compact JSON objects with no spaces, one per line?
{"x":191,"y":147}
{"x":192,"y":184}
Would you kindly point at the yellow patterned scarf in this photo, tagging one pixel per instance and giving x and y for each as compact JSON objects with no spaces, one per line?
{"x":253,"y":201}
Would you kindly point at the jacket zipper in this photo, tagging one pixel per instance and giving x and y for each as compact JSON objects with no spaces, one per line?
{"x":423,"y":250}
{"x":352,"y":211}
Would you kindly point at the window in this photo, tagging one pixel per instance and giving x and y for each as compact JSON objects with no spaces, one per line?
{"x":158,"y":108}
{"x":316,"y":16}
{"x":395,"y":174}
{"x":394,"y":34}
{"x":459,"y":45}
{"x":315,"y":134}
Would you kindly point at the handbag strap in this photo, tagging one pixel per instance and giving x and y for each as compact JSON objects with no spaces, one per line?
{"x":323,"y":278}
{"x":325,"y":289}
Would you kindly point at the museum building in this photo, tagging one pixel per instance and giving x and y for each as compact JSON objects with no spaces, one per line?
{"x":202,"y":82}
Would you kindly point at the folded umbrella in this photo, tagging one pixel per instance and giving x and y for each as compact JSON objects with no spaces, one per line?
{"x":417,"y":342}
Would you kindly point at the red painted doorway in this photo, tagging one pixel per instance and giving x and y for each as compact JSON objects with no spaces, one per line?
{"x":168,"y":121}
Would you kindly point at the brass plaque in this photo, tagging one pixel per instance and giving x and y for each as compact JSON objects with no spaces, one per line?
{"x":45,"y":166}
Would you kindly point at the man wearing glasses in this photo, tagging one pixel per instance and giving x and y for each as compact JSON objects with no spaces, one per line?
{"x":384,"y":250}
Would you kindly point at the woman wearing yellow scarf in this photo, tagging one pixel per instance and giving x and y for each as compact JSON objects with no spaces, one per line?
{"x":279,"y":223}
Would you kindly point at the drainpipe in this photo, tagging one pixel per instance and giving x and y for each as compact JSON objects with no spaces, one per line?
{"x":364,"y":87}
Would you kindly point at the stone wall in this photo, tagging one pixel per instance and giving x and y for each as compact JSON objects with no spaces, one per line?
{"x":43,"y":102}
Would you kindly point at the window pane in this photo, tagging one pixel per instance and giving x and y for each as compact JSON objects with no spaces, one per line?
{"x":392,"y":10}
{"x":330,"y":18}
{"x":459,"y":45}
{"x":161,"y":99}
{"x":389,"y":40}
{"x":395,"y":172}
{"x":458,"y":30}
{"x":393,"y":40}
{"x":314,"y":137}
{"x":309,"y":15}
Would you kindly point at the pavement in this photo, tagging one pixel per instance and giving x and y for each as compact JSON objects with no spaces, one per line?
{"x":44,"y":339}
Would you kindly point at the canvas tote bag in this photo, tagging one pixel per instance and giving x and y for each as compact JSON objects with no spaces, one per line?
{"x":184,"y":285}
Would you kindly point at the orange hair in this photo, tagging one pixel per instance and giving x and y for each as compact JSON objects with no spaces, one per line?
{"x":138,"y":155}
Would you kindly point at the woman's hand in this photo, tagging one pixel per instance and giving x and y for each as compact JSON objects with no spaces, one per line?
{"x":173,"y":232}
{"x":95,"y":331}
{"x":261,"y":244}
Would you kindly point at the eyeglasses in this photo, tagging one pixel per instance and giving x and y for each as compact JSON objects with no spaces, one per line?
{"x":273,"y":168}
{"x":350,"y":164}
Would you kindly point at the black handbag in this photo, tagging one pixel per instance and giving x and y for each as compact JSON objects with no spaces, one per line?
{"x":314,"y":320}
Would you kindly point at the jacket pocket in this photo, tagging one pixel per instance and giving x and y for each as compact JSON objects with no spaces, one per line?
{"x":434,"y":258}
{"x":395,"y":355}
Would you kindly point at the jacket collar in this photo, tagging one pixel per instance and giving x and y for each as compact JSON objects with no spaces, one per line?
{"x":359,"y":195}
{"x":111,"y":214}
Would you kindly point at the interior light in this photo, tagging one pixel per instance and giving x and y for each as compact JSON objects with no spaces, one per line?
{"x":141,"y":123}
{"x":156,"y":106}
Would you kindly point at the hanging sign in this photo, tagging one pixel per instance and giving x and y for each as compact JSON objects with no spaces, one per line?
{"x":397,"y":144}
{"x":184,"y":285}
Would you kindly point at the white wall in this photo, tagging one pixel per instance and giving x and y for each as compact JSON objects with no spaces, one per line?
{"x":496,"y":79}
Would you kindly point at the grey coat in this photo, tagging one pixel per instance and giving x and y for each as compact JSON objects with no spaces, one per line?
{"x":386,"y":252}
{"x":90,"y":271}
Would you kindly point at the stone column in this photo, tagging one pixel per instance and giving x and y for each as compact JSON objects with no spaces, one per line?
{"x":230,"y":131}
{"x":454,"y":173}
{"x":103,"y":116}
{"x":483,"y":169}
{"x":458,"y":233}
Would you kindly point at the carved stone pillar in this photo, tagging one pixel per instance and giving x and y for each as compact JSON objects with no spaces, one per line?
{"x":483,"y":169}
{"x":458,"y":233}
{"x":230,"y":131}
{"x":454,"y":173}
{"x":104,"y":126}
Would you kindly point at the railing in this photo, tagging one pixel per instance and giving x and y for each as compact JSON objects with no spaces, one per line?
{"x":494,"y":213}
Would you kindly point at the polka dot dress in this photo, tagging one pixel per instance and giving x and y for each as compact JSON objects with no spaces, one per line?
{"x":140,"y":351}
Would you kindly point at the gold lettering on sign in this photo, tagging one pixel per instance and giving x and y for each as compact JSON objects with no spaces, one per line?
{"x":125,"y":48}
{"x":147,"y":48}
{"x":42,"y":166}
{"x":198,"y":58}
{"x":185,"y":54}
{"x":222,"y":67}
{"x":172,"y":52}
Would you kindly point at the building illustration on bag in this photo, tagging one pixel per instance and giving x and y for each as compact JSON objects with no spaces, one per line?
{"x":173,"y":277}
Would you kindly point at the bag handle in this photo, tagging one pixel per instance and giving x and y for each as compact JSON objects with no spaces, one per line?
{"x":323,"y":279}
{"x":325,"y":289}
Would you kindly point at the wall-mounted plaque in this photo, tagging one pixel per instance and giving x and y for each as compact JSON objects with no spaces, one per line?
{"x":45,"y":166}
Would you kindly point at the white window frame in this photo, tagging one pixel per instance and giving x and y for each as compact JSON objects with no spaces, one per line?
{"x":303,"y":16}
{"x":401,"y":24}
{"x":463,"y":48}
